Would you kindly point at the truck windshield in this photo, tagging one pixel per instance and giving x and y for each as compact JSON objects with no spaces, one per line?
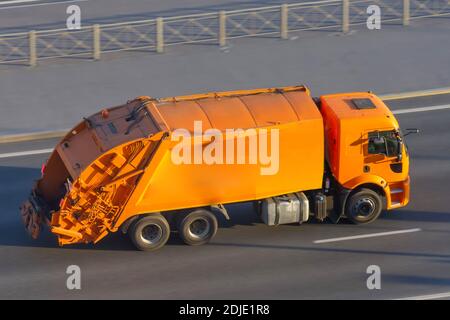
{"x":384,"y":142}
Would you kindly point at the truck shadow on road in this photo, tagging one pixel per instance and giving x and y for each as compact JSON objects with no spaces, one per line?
{"x":419,"y":216}
{"x":418,"y":280}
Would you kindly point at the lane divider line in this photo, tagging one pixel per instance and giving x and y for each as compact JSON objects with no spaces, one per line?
{"x":421,"y":109}
{"x":24,"y":153}
{"x":370,"y":235}
{"x":428,"y":297}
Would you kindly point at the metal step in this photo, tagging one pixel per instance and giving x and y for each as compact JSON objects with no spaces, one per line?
{"x":396,"y":191}
{"x":395,"y":204}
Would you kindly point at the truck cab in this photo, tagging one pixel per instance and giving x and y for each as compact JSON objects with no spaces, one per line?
{"x":365,"y":150}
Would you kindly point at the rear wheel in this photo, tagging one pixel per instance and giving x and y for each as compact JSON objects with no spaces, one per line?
{"x":364,"y":206}
{"x":150,"y":233}
{"x":197,"y":227}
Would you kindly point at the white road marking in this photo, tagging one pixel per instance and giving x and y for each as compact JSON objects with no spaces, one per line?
{"x":17,"y":1}
{"x":422,"y":109}
{"x":25,"y":5}
{"x":370,"y":235}
{"x":24,"y":153}
{"x":428,"y":297}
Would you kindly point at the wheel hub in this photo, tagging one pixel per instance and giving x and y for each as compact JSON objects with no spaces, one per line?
{"x":364,"y":207}
{"x":199,"y":228}
{"x":151,"y":234}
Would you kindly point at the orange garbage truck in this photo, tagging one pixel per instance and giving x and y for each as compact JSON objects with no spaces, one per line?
{"x":152,"y":166}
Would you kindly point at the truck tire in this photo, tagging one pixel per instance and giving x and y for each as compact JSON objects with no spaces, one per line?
{"x":197,"y":227}
{"x":364,"y":206}
{"x":150,"y":233}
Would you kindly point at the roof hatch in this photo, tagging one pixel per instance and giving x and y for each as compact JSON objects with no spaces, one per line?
{"x":362,"y":104}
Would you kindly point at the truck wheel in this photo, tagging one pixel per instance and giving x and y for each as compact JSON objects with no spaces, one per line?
{"x":197,"y":227}
{"x":150,"y":233}
{"x":364,"y":206}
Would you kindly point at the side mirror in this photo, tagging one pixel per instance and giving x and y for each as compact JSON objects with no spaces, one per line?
{"x":411,"y":130}
{"x":400,"y":156}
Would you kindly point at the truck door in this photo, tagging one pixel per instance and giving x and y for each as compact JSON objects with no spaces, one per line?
{"x":381,"y":155}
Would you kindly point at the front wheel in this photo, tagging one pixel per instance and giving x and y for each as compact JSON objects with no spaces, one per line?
{"x":150,"y":233}
{"x":364,"y":206}
{"x":197,"y":227}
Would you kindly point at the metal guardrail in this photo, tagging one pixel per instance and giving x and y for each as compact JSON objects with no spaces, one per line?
{"x":156,"y":34}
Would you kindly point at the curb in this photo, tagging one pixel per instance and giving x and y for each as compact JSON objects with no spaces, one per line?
{"x":60,"y":133}
{"x":415,"y":94}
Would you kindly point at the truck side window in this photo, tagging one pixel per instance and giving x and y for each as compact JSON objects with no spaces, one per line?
{"x":383,"y":142}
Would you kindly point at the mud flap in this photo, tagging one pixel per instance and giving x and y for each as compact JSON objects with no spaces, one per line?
{"x":31,"y":219}
{"x":334,"y":216}
{"x":339,"y":211}
{"x":33,"y":214}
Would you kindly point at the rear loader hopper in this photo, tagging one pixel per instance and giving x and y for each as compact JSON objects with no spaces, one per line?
{"x":155,"y":165}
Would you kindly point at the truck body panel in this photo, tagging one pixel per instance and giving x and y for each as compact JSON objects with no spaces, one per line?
{"x":170,"y":186}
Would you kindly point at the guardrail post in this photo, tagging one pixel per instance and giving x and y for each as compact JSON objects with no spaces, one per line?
{"x":96,"y":46}
{"x":159,"y":35}
{"x":284,"y":27}
{"x":222,"y":28}
{"x":345,"y":15}
{"x":32,"y":48}
{"x":406,"y":8}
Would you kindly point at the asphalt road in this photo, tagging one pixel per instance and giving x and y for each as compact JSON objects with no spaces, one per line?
{"x":248,"y":259}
